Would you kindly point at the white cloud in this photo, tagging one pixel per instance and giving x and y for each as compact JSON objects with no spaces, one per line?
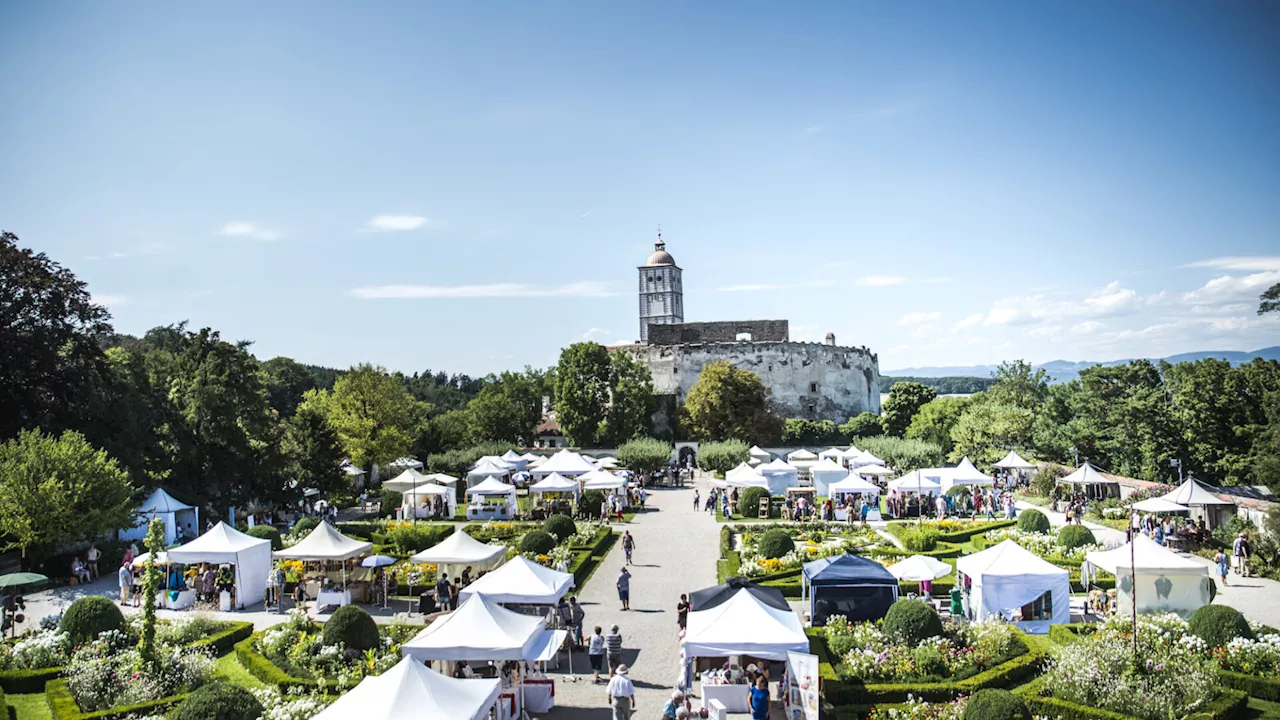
{"x":879,"y":280}
{"x":495,"y":290}
{"x":814,"y":129}
{"x":1007,"y":316}
{"x":1110,"y":301}
{"x":975,"y":340}
{"x":586,"y":214}
{"x":915,"y":318}
{"x":925,"y":331}
{"x":970,"y":321}
{"x":1044,"y":331}
{"x":1223,"y":309}
{"x":1088,"y":327}
{"x":394,"y":223}
{"x":1257,"y":263}
{"x":1232,"y":287}
{"x":1151,"y":331}
{"x":109,"y":300}
{"x":249,"y":230}
{"x":594,"y":333}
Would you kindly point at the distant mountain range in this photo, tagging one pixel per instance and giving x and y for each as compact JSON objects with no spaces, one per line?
{"x":1064,"y":370}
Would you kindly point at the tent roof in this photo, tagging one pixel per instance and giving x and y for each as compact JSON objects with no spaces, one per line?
{"x":852,"y":452}
{"x":1008,"y":559}
{"x":405,"y":462}
{"x":1014,"y":461}
{"x":566,"y":463}
{"x":778,"y":465}
{"x":530,"y":457}
{"x":743,"y":625}
{"x":867,"y":458}
{"x":487,"y":467}
{"x":1087,"y":475}
{"x":847,"y":570}
{"x":1192,"y":492}
{"x":1148,"y":555}
{"x":966,"y":474}
{"x":442,"y":478}
{"x":802,"y":454}
{"x":221,"y":541}
{"x":492,"y":486}
{"x":853,"y":484}
{"x":480,"y":629}
{"x":325,"y":543}
{"x":407,"y":480}
{"x":522,"y":581}
{"x":745,"y":476}
{"x":602,"y":480}
{"x":826,"y":465}
{"x":1159,"y":504}
{"x":608,"y":462}
{"x":710,"y":597}
{"x":555,"y":482}
{"x":918,"y":568}
{"x":757,"y":451}
{"x":874,"y":469}
{"x":411,"y":690}
{"x":162,"y":502}
{"x":831,"y":452}
{"x":914,"y":481}
{"x":431,"y":488}
{"x":511,"y":455}
{"x":460,"y":549}
{"x":496,"y":460}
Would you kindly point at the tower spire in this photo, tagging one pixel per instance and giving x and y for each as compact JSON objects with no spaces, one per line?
{"x":660,"y":244}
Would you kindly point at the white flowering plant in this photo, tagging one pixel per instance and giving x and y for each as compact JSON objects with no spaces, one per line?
{"x":36,"y":650}
{"x":1042,"y":545}
{"x":962,"y":650}
{"x":298,"y":647}
{"x":108,"y":672}
{"x":297,"y":704}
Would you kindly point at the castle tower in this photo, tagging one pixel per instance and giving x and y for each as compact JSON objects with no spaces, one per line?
{"x":661,"y":291}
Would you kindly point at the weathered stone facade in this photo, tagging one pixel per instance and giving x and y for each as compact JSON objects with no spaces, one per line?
{"x":807,"y":380}
{"x":713,"y":332}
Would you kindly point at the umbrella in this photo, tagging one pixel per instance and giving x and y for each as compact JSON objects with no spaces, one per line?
{"x":18,"y":579}
{"x":919,"y":568}
{"x":377,"y":561}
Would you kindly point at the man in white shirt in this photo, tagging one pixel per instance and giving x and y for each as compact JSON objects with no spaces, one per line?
{"x":621,"y":694}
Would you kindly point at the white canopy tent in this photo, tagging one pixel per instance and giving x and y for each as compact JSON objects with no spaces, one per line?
{"x":602,"y":480}
{"x":743,"y":625}
{"x":460,"y":550}
{"x":493,"y":488}
{"x":224,"y":544}
{"x":1013,"y":461}
{"x":515,"y":459}
{"x":411,"y":690}
{"x":412,"y":500}
{"x":873,"y":470}
{"x":1009,"y":581}
{"x":919,"y":568}
{"x":825,"y":473}
{"x":522,"y":582}
{"x":1159,"y":505}
{"x":916,"y":482}
{"x":780,"y":475}
{"x":1088,"y":478}
{"x":831,"y":453}
{"x":495,"y":460}
{"x":565,"y":462}
{"x":1202,"y":503}
{"x":479,"y":630}
{"x":758,"y":455}
{"x":608,"y":463}
{"x":964,"y":474}
{"x":160,"y":504}
{"x":487,"y":468}
{"x":864,"y":457}
{"x":854,"y":485}
{"x":802,"y":460}
{"x":744,"y":476}
{"x":1161,"y":580}
{"x":530,"y":457}
{"x":324,"y":543}
{"x":405,"y":481}
{"x":441,"y":479}
{"x":555,"y":483}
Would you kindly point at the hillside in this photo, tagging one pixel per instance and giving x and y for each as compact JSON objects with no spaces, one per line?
{"x":1064,"y":370}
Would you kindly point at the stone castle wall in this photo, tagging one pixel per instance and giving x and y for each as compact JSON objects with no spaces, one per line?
{"x":807,"y":380}
{"x":719,"y":332}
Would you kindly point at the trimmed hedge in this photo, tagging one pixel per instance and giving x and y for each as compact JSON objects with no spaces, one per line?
{"x":90,"y":616}
{"x":1033,"y":521}
{"x":225,"y":641}
{"x":268,"y":672}
{"x":1218,"y":625}
{"x":538,"y":542}
{"x":561,"y":526}
{"x":912,"y":621}
{"x":749,"y":502}
{"x":775,"y":543}
{"x":1066,"y":634}
{"x":353,"y":627}
{"x":219,"y":701}
{"x":1228,"y":704}
{"x":62,"y":705}
{"x":1267,"y":688}
{"x":1074,"y":536}
{"x":266,"y":532}
{"x":586,"y":566}
{"x":955,"y":536}
{"x":995,"y":704}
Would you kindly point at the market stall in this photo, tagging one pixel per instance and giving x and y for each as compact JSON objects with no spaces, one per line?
{"x":801,"y":460}
{"x":1093,"y":484}
{"x":521,"y":582}
{"x":832,"y":453}
{"x":856,"y":587}
{"x":174,"y":513}
{"x":1010,"y":582}
{"x":488,"y":468}
{"x":430,"y":501}
{"x":565,"y":462}
{"x":908,"y":495}
{"x":460,"y":551}
{"x":825,"y":473}
{"x":758,"y":455}
{"x":1014,"y":464}
{"x":1203,"y":504}
{"x":716,"y":595}
{"x":864,"y":457}
{"x":557,"y":493}
{"x":963,"y":474}
{"x":516,"y":460}
{"x":411,"y":690}
{"x":325,"y":544}
{"x":779,"y":475}
{"x":492,"y":499}
{"x":850,"y":492}
{"x":1161,"y":580}
{"x":249,"y":556}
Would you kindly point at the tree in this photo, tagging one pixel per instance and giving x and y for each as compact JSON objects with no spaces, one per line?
{"x":631,"y":401}
{"x":582,"y":392}
{"x":1220,"y":412}
{"x":721,"y":457}
{"x":508,"y":407}
{"x":130,"y":416}
{"x":988,"y":429}
{"x":644,"y":455}
{"x":864,"y":424}
{"x":800,"y":431}
{"x":1018,"y":385}
{"x":376,"y":419}
{"x":1269,"y":301}
{"x":447,"y":431}
{"x":904,"y":401}
{"x":50,"y":342}
{"x":287,"y":381}
{"x":901,"y":454}
{"x":936,"y":419}
{"x":729,"y":403}
{"x":1120,"y":419}
{"x":315,"y":452}
{"x":57,"y":489}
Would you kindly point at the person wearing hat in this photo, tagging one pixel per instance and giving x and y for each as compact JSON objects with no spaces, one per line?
{"x":621,"y":694}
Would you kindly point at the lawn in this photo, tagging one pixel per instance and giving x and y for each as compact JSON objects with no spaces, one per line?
{"x":29,"y":707}
{"x":228,"y":667}
{"x":1260,"y":709}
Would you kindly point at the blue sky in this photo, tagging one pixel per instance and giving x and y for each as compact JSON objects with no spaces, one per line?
{"x":470,"y":186}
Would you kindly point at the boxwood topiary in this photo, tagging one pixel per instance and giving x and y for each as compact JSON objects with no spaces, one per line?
{"x":1074,"y":536}
{"x":88,"y":617}
{"x":351,"y":626}
{"x":1033,"y":521}
{"x":537,"y":541}
{"x":775,"y":543}
{"x":390,"y":501}
{"x":749,"y":501}
{"x":590,"y":502}
{"x":305,"y":525}
{"x":995,"y":704}
{"x":219,"y":701}
{"x":561,"y":526}
{"x":266,"y":532}
{"x":910,"y":621}
{"x":1218,"y":625}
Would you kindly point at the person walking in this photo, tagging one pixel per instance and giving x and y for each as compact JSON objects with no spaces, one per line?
{"x":682,"y":611}
{"x":576,"y":616}
{"x":624,"y":588}
{"x":621,"y":694}
{"x":1220,"y":560}
{"x":628,"y":544}
{"x":443,"y":592}
{"x":126,"y":582}
{"x":595,"y":653}
{"x":613,"y":648}
{"x":760,"y":699}
{"x":697,"y":505}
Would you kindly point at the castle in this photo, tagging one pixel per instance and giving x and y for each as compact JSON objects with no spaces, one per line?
{"x":806,"y":380}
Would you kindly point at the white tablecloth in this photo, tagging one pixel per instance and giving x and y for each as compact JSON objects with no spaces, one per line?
{"x":186,"y":598}
{"x":326,"y":598}
{"x":539,"y":697}
{"x":736,"y":698}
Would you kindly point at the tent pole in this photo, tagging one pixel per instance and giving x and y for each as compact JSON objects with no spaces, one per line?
{"x":1133,"y":595}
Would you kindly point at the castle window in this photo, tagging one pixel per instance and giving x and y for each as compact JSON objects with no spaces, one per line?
{"x":743,"y":337}
{"x":813,"y":387}
{"x":813,"y":409}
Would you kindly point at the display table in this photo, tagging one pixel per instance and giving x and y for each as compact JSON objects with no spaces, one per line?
{"x":507,"y":709}
{"x":185,"y":599}
{"x":489,"y":512}
{"x":539,"y":695}
{"x":735,"y":698}
{"x":327,"y":598}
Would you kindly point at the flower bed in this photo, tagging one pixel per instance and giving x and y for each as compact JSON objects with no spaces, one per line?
{"x":298,"y":648}
{"x":1045,"y":546}
{"x":812,"y":543}
{"x":963,"y":650}
{"x":948,"y":531}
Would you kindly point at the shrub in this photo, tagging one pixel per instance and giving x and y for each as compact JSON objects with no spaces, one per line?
{"x":305,"y":525}
{"x":561,"y":526}
{"x":88,"y":617}
{"x":724,"y":456}
{"x":1046,"y":479}
{"x":266,"y":532}
{"x":903,"y":454}
{"x":220,"y":701}
{"x":919,"y":538}
{"x":353,"y":627}
{"x":415,"y":537}
{"x":910,"y":621}
{"x":775,"y":543}
{"x":538,"y":542}
{"x":1033,"y":521}
{"x":645,"y":455}
{"x":749,"y":501}
{"x":995,"y":704}
{"x":589,"y":503}
{"x":1218,"y":625}
{"x":1074,"y":536}
{"x":391,"y":500}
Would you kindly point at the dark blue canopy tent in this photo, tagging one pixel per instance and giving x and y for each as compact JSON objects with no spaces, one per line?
{"x":855,"y":587}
